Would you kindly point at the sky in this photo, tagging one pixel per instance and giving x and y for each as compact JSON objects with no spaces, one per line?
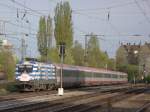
{"x":115,"y":21}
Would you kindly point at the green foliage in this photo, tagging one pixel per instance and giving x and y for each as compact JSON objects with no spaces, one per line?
{"x":95,"y":57}
{"x":53,"y":55}
{"x":132,"y":70}
{"x":11,"y":87}
{"x":111,"y":64}
{"x":93,"y":51}
{"x":63,"y":24}
{"x":68,"y":57}
{"x":44,"y":36}
{"x":121,"y":56}
{"x":64,"y":33}
{"x":8,"y":64}
{"x":63,"y":29}
{"x":78,"y":54}
{"x":49,"y":32}
{"x":147,"y":79}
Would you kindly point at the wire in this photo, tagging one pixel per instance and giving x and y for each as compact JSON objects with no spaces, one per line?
{"x":78,"y":29}
{"x":24,"y":6}
{"x":8,"y":6}
{"x":87,"y":15}
{"x":142,"y":11}
{"x":148,"y":3}
{"x":111,"y":25}
{"x":104,"y":8}
{"x":19,"y":10}
{"x":17,"y":25}
{"x":26,"y":34}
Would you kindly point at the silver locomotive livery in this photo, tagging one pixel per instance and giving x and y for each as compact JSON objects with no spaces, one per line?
{"x":35,"y":76}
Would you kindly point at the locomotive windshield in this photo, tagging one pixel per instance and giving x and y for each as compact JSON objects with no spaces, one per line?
{"x":25,"y":68}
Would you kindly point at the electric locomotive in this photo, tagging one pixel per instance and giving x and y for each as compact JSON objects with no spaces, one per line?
{"x":32,"y":75}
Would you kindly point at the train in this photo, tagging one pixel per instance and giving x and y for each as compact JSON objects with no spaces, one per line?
{"x":35,"y":76}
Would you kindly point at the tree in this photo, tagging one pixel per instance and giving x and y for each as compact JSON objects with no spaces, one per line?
{"x":131,"y":70}
{"x":68,"y":59}
{"x":7,"y":63}
{"x":49,"y":32}
{"x":78,"y":54}
{"x":63,"y":24}
{"x":44,"y":36}
{"x":111,"y":64}
{"x":63,"y":29}
{"x":95,"y":57}
{"x":53,"y":55}
{"x":121,"y":57}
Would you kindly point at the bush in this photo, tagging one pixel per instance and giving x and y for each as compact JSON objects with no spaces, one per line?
{"x":147,"y":79}
{"x":7,"y":62}
{"x":3,"y":91}
{"x":11,"y":87}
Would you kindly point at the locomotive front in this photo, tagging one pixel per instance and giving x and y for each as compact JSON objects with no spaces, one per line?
{"x":23,"y":75}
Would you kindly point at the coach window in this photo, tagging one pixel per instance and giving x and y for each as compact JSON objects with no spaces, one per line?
{"x":99,"y":74}
{"x":89,"y":74}
{"x":102,"y":75}
{"x":96,"y":74}
{"x":107,"y":75}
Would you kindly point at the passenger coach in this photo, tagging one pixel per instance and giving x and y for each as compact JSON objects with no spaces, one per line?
{"x":88,"y":76}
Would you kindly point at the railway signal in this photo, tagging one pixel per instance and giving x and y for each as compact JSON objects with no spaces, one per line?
{"x":62,"y":49}
{"x":61,"y":54}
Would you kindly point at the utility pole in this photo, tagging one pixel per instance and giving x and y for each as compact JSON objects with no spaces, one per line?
{"x":2,"y":28}
{"x":23,"y":48}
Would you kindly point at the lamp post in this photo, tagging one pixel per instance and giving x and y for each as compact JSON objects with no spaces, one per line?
{"x":134,"y":78}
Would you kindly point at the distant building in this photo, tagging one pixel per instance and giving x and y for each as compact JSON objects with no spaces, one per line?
{"x":135,"y":54}
{"x":5,"y":44}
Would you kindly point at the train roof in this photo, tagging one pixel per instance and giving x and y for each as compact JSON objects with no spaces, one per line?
{"x":88,"y":69}
{"x":72,"y":67}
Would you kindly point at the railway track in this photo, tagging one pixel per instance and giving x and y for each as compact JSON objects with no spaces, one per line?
{"x":98,"y":103}
{"x":37,"y":106}
{"x":14,"y":96}
{"x":81,"y":103}
{"x":144,"y":107}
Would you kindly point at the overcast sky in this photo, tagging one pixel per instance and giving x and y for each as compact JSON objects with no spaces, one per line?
{"x":126,"y":19}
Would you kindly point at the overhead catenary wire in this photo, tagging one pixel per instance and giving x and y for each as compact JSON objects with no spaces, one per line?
{"x":19,"y":10}
{"x":28,"y":11}
{"x":104,"y":8}
{"x":24,"y":27}
{"x":142,"y":11}
{"x":24,"y":6}
{"x":105,"y":20}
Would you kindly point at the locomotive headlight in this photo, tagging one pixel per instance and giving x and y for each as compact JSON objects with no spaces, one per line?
{"x":24,"y":77}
